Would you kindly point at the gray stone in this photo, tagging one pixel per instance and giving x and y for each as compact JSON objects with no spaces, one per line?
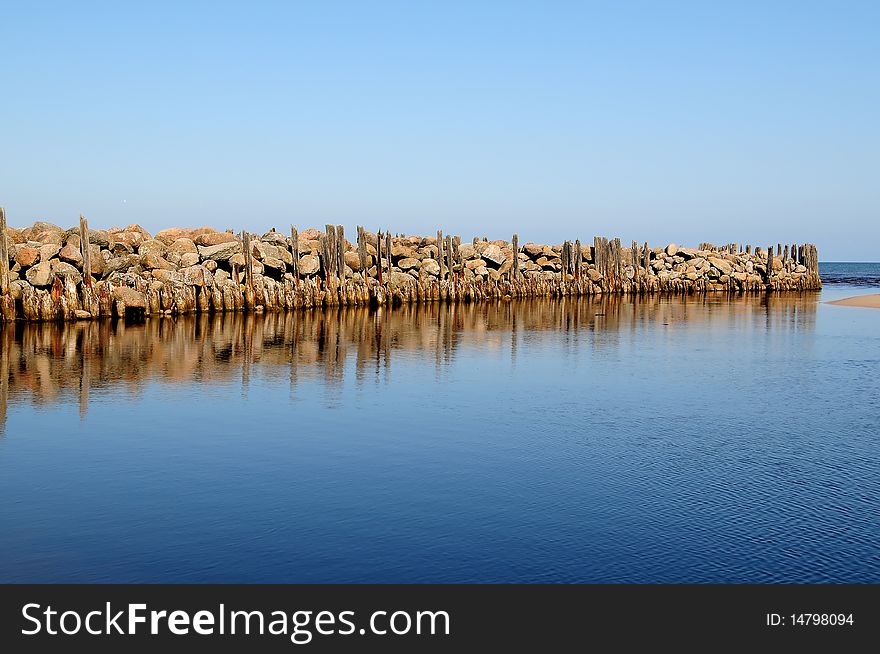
{"x":430,"y":267}
{"x":153,"y":246}
{"x":220,"y":252}
{"x":118,"y":264}
{"x":27,"y":256}
{"x":131,"y":297}
{"x":40,"y":274}
{"x":183,"y":246}
{"x":191,"y":259}
{"x":724,"y":266}
{"x":309,"y":265}
{"x":64,"y":269}
{"x":407,"y":263}
{"x":214,"y":238}
{"x":401,"y":279}
{"x":196,"y":276}
{"x":493,"y":255}
{"x":48,"y":251}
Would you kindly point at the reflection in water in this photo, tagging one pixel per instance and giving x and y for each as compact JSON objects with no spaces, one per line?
{"x":44,"y":362}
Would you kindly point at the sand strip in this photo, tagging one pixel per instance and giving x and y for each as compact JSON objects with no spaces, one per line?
{"x":870,"y":301}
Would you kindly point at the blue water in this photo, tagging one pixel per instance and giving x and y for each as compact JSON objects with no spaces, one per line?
{"x":850,"y":274}
{"x":682,"y":440}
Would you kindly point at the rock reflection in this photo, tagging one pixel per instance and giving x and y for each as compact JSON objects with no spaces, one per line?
{"x":47,"y":363}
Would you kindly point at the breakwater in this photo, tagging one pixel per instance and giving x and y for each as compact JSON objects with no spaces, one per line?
{"x":49,"y":273}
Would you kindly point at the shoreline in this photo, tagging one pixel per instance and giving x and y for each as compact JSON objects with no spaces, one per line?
{"x":48,"y":273}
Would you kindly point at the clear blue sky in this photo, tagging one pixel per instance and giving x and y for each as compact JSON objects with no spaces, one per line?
{"x":661,"y":121}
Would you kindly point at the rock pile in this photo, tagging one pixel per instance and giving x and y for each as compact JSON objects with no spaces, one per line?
{"x":51,"y":274}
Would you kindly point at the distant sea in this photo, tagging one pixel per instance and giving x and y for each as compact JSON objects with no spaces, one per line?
{"x":849,"y":273}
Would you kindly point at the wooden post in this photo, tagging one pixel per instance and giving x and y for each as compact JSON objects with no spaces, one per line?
{"x":85,"y":250}
{"x":340,"y":251}
{"x":769,"y":261}
{"x":389,"y":245}
{"x":4,"y":255}
{"x":294,"y":252}
{"x":514,"y":246}
{"x":329,"y":252}
{"x":248,"y":260}
{"x":440,"y":258}
{"x":362,"y":251}
{"x":449,"y":262}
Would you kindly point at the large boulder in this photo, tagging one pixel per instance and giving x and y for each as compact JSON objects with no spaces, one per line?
{"x":467,"y":251}
{"x":168,"y":236}
{"x":214,"y":238}
{"x":134,"y":228}
{"x":151,"y":261}
{"x":401,"y":279}
{"x":430,"y":267}
{"x":27,"y":256}
{"x":722,"y":265}
{"x":273,"y":263}
{"x":275,"y":238}
{"x":100,"y":237}
{"x":353,"y":260}
{"x":64,"y":269}
{"x":167,"y":276}
{"x":119,"y":264}
{"x":40,"y":274}
{"x":132,"y":240}
{"x":71,"y":254}
{"x":263,"y":251}
{"x":183,"y":246}
{"x":220,"y":252}
{"x":49,"y":250}
{"x":191,"y":259}
{"x":533,"y":250}
{"x":153,"y":246}
{"x":196,"y":276}
{"x":53,"y":236}
{"x":407,"y":263}
{"x":130,"y":297}
{"x":493,"y":255}
{"x":309,"y":265}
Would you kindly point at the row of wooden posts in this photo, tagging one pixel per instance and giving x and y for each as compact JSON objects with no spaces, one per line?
{"x":607,"y":254}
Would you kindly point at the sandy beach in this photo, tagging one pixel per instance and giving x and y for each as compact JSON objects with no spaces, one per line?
{"x":868,"y":301}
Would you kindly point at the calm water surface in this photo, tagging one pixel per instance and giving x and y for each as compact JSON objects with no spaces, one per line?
{"x":700,"y":440}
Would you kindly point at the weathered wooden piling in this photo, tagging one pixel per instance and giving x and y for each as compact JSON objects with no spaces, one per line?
{"x":379,"y":255}
{"x":340,"y":252}
{"x":4,"y":255}
{"x":248,"y":260}
{"x":449,"y":256}
{"x":85,"y":250}
{"x":362,"y":250}
{"x":514,"y":246}
{"x":389,"y":246}
{"x":441,"y":259}
{"x":294,"y":252}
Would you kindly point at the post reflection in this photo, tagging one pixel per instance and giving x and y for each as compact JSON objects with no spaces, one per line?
{"x":52,"y":362}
